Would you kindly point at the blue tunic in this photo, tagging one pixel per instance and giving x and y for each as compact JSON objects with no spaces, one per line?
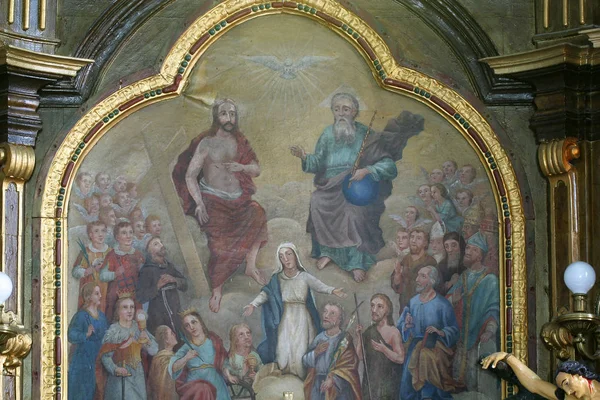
{"x":201,"y":367}
{"x":481,"y":302}
{"x":82,"y":367}
{"x":438,"y":313}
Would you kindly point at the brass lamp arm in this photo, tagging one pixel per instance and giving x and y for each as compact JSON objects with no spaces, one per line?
{"x":579,"y":342}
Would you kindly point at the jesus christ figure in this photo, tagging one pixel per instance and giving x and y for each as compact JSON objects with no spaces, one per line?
{"x":213,"y":178}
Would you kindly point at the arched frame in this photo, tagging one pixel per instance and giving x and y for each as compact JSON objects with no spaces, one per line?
{"x":170,"y":83}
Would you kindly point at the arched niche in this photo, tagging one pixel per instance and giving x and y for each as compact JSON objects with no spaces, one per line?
{"x":281,"y":62}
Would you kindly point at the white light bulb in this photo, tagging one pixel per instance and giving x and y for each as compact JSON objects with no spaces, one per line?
{"x":580,"y":277}
{"x":6,"y":287}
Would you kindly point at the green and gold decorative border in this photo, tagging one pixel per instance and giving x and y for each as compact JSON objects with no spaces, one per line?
{"x":170,"y":82}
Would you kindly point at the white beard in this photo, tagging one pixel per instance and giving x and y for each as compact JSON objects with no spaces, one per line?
{"x":344,"y":130}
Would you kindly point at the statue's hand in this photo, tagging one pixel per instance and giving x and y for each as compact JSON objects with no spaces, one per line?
{"x":493,"y":359}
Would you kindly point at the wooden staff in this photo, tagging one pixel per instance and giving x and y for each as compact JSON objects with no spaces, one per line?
{"x":362,"y":146}
{"x":362,"y":342}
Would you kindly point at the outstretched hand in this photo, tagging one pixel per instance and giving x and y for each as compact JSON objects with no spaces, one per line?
{"x":298,"y":151}
{"x":493,"y":359}
{"x":339,"y":292}
{"x":248,"y":310}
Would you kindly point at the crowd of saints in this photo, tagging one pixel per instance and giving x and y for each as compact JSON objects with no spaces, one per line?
{"x":134,"y":337}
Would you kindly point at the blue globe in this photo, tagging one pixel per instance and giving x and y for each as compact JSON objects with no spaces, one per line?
{"x":360,"y":193}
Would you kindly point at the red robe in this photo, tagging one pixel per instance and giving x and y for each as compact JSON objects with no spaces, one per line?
{"x":201,"y":389}
{"x":233,"y":225}
{"x":126,"y":281}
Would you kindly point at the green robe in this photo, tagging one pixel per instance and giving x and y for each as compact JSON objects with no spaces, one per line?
{"x":349,"y":235}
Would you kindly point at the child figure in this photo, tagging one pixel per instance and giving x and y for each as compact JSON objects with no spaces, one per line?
{"x":87,"y":265}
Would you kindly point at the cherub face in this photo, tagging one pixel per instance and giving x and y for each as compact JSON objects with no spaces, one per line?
{"x":105,"y":200}
{"x":436,"y":176}
{"x":155,"y":228}
{"x":123,"y":199}
{"x":120,"y":184}
{"x":93,"y":205}
{"x":463,"y":199}
{"x":424,"y":192}
{"x":410,"y":215}
{"x":103,"y":181}
{"x":402,"y":240}
{"x":436,"y":194}
{"x":467,"y":174}
{"x":138,"y":229}
{"x":85,"y":182}
{"x":449,"y":169}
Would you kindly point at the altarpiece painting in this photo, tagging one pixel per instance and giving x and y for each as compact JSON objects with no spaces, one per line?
{"x":282,"y":208}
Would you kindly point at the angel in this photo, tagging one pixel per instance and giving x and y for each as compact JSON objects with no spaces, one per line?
{"x":467,"y":179}
{"x":443,"y":210}
{"x":411,"y":219}
{"x":90,"y":209}
{"x":450,"y":168}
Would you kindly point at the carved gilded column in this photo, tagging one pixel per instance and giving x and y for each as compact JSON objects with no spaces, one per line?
{"x":17,"y":163}
{"x":23,"y":73}
{"x":555,"y":158}
{"x":565,"y":73}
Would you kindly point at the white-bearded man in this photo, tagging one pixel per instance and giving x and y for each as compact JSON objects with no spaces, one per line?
{"x":344,"y":233}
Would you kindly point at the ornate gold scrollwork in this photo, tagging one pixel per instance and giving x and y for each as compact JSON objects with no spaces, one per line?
{"x":15,"y":341}
{"x":555,"y":157}
{"x":17,"y":161}
{"x":558,"y":339}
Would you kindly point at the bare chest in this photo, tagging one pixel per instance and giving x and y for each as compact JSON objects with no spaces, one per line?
{"x":221,"y":149}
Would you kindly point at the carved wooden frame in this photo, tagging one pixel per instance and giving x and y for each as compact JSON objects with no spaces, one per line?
{"x":170,"y":81}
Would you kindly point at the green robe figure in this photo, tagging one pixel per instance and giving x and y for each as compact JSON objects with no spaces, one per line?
{"x":344,"y":233}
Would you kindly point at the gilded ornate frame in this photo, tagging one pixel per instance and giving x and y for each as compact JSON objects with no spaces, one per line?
{"x":170,"y":83}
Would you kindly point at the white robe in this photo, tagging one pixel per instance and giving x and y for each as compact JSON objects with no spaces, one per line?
{"x":296,"y":330}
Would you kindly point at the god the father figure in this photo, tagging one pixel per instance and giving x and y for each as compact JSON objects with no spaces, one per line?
{"x":346,"y":234}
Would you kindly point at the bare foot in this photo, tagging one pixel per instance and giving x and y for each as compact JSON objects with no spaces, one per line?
{"x":257,"y":275}
{"x":215,"y":300}
{"x":323,"y":261}
{"x":359,"y":275}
